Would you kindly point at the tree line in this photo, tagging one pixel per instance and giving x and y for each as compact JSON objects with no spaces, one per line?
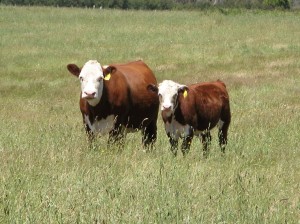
{"x":156,"y":4}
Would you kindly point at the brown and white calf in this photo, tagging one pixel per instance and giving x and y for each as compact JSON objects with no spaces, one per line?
{"x":194,"y":110}
{"x":115,"y":99}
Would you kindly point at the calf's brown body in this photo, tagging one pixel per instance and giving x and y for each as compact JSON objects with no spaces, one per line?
{"x":202,"y":107}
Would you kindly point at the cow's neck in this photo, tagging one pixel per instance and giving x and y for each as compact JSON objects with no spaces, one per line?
{"x":102,"y":109}
{"x":166,"y":118}
{"x":178,"y":116}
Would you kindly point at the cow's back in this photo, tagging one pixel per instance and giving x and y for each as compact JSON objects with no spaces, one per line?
{"x":137,"y":74}
{"x":205,"y":104}
{"x":210,"y":91}
{"x":142,"y":102}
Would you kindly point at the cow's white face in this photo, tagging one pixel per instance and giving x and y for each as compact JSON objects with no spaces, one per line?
{"x":168,"y":93}
{"x":91,"y":78}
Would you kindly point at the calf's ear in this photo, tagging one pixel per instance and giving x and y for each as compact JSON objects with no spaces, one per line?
{"x":153,"y":88}
{"x":183,"y":90}
{"x":107,"y":71}
{"x":74,"y":69}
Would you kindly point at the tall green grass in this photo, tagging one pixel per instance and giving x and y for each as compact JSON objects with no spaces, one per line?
{"x":49,"y":175}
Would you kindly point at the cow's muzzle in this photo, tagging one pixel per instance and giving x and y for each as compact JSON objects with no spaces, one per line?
{"x":89,"y":95}
{"x":166,"y":108}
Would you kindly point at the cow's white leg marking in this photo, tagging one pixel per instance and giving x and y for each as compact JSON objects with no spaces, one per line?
{"x":220,"y":124}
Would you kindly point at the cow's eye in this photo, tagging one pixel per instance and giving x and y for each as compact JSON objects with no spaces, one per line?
{"x":81,"y":79}
{"x":99,"y":79}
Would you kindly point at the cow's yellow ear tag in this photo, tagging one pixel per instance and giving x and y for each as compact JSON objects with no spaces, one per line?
{"x":185,"y":94}
{"x":107,"y":77}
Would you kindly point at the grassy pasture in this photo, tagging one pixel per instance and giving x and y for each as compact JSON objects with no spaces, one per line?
{"x":48,"y":175}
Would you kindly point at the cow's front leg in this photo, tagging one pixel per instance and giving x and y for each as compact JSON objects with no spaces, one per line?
{"x":90,"y":136}
{"x":116,"y":136}
{"x":187,"y":140}
{"x":186,"y":144}
{"x":174,"y":144}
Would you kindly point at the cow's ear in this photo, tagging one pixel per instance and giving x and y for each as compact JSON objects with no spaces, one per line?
{"x":183,"y":90}
{"x":107,"y":71}
{"x":153,"y":88}
{"x":74,"y":69}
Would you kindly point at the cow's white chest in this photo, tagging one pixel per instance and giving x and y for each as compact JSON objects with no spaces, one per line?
{"x":102,"y":126}
{"x":177,"y":130}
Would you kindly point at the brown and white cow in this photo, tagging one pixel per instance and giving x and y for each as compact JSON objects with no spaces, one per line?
{"x":115,"y":99}
{"x":194,"y":110}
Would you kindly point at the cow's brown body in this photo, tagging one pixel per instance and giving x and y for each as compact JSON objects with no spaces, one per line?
{"x":125,"y":97}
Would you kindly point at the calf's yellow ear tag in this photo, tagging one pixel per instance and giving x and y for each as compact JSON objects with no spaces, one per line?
{"x":107,"y":77}
{"x":185,"y":94}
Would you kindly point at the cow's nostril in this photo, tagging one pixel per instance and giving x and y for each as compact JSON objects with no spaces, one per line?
{"x":90,"y":94}
{"x":167,"y":107}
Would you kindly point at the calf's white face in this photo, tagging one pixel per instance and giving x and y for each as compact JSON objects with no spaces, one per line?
{"x":168,"y":92}
{"x":91,"y":78}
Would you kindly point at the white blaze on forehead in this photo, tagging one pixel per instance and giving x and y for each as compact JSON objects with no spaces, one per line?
{"x":91,"y":76}
{"x":91,"y":70}
{"x":168,"y":91}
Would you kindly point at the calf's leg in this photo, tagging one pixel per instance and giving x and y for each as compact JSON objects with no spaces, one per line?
{"x":174,"y":144}
{"x":223,"y":129}
{"x":185,"y":147}
{"x":206,"y":140}
{"x":224,"y":125}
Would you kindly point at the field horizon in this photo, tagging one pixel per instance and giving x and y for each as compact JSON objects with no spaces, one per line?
{"x":50,"y":175}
